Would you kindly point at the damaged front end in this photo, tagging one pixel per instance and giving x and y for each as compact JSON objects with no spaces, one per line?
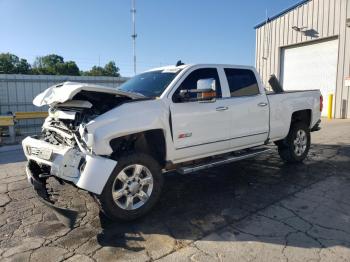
{"x":64,"y":149}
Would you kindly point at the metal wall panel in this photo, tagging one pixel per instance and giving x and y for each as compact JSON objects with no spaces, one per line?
{"x":323,"y":19}
{"x":18,"y":91}
{"x":346,"y":63}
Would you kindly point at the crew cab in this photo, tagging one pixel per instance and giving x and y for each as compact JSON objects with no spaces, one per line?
{"x":118,"y":143}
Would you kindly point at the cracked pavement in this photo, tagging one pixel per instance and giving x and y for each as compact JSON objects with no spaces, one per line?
{"x":254,"y":210}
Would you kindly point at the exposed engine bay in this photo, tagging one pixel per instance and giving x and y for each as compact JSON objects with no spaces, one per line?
{"x":65,"y":119}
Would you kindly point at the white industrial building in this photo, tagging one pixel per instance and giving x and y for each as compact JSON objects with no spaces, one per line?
{"x":307,"y":46}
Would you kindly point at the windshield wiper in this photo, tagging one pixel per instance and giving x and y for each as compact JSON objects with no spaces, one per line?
{"x":138,"y":93}
{"x":131,"y":92}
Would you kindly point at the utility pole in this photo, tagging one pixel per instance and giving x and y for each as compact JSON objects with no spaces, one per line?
{"x":134,"y":35}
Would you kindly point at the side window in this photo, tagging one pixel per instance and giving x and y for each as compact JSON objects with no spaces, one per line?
{"x":190,"y":83}
{"x":242,"y":82}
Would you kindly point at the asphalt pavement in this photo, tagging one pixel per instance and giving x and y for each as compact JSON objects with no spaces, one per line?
{"x":254,"y":210}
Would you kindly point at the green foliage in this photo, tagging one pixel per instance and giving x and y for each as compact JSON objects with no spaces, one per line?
{"x":23,"y":67}
{"x":51,"y":65}
{"x":11,"y":64}
{"x":71,"y":68}
{"x":95,"y":71}
{"x":54,"y":65}
{"x":110,"y":69}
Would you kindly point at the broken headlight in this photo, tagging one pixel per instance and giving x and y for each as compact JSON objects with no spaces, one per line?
{"x":87,"y":137}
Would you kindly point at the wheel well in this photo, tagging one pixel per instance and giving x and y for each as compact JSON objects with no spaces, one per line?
{"x":302,"y":116}
{"x":151,"y":142}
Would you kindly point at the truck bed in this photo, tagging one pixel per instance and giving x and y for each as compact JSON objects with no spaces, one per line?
{"x":282,"y":105}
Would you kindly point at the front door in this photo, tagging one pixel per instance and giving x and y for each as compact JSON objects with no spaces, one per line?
{"x":200,"y":126}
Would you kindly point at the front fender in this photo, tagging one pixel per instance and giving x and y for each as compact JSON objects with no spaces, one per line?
{"x":129,"y":118}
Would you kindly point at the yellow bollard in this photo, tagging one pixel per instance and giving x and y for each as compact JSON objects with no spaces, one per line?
{"x":330,"y":106}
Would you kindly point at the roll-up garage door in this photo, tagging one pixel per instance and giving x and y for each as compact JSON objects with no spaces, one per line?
{"x":311,"y":66}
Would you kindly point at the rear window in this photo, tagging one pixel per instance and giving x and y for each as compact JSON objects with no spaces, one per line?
{"x":242,"y":82}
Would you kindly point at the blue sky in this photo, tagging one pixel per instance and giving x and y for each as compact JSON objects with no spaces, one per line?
{"x":92,"y":32}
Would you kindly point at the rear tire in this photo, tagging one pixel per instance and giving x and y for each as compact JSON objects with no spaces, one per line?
{"x":128,"y":196}
{"x":295,"y":147}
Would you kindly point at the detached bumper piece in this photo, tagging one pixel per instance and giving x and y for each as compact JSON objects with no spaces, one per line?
{"x":66,"y":216}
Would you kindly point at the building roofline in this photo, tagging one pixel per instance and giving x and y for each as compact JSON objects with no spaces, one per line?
{"x":281,"y":13}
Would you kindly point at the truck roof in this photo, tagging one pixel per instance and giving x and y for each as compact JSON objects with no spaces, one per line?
{"x":173,"y":68}
{"x":168,"y":68}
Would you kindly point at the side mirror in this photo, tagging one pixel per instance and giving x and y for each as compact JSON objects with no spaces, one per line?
{"x":184,"y":94}
{"x":206,"y":85}
{"x":205,"y":91}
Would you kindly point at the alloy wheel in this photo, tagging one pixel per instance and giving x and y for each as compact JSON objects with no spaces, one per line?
{"x":132,"y":187}
{"x":300,"y":142}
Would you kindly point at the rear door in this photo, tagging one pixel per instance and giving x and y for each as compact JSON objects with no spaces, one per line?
{"x":248,"y":107}
{"x":200,"y":127}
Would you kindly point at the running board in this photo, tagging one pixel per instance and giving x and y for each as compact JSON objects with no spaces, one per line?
{"x":223,"y":160}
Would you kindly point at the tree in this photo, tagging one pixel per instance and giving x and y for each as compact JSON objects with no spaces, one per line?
{"x":54,"y":65}
{"x":7,"y":63}
{"x":95,"y":71}
{"x":67,"y":68}
{"x":11,"y":64}
{"x":23,"y":67}
{"x":51,"y":65}
{"x":71,"y":68}
{"x":109,"y":69}
{"x":48,"y":61}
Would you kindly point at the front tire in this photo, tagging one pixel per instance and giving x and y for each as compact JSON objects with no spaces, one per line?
{"x":133,"y":188}
{"x":295,"y":147}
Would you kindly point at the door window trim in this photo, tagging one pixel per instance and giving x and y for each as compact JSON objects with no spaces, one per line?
{"x":186,"y":73}
{"x":200,"y":101}
{"x":242,"y":97}
{"x":241,"y":68}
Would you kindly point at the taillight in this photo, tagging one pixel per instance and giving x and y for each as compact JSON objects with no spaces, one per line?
{"x":321,"y":103}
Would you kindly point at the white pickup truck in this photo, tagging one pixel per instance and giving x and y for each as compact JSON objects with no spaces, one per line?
{"x":118,"y":143}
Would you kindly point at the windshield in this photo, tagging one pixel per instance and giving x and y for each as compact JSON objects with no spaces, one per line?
{"x":149,"y":84}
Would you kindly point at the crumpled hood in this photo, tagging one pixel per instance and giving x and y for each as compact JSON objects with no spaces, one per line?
{"x":66,"y":91}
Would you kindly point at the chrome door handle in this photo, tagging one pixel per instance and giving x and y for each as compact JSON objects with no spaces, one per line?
{"x":262,"y":104}
{"x":221,"y":108}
